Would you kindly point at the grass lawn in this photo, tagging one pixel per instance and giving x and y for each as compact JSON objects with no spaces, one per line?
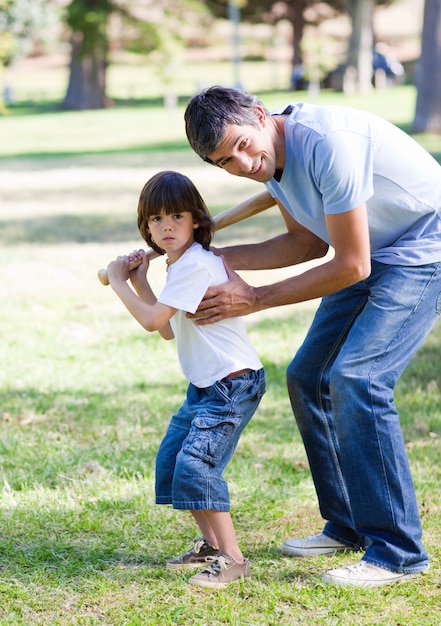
{"x":86,"y":396}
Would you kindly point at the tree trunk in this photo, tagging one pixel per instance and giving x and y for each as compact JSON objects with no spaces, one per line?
{"x":428,"y":77}
{"x":295,"y":15}
{"x":87,"y":79}
{"x":358,"y":73}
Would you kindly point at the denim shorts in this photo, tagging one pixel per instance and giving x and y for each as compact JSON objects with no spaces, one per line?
{"x":201,"y":439}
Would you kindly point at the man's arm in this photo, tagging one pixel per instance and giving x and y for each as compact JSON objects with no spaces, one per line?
{"x":351,"y":263}
{"x":295,"y":246}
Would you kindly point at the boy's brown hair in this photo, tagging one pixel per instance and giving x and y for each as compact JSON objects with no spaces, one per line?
{"x":171,"y":192}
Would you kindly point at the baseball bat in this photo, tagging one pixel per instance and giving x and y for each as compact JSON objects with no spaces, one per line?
{"x":242,"y":211}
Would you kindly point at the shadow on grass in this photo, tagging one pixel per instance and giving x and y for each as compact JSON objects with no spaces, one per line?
{"x":78,"y":228}
{"x":55,"y":107}
{"x":30,"y":107}
{"x":77,"y":545}
{"x":45,"y":107}
{"x":60,"y":229}
{"x":76,"y":552}
{"x":148,"y":148}
{"x":82,"y":529}
{"x":68,"y":520}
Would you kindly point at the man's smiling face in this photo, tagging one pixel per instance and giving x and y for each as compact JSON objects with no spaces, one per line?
{"x":247,"y":151}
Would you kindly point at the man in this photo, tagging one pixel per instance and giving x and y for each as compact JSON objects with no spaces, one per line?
{"x":346,"y":179}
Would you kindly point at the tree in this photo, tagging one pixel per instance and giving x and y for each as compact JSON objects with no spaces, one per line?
{"x":88,"y":20}
{"x":428,"y":77}
{"x":299,"y":13}
{"x":312,"y":52}
{"x":358,"y":71}
{"x":145,"y":26}
{"x":303,"y":13}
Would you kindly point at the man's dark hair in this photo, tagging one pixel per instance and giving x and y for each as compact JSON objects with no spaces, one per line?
{"x":208,"y":113}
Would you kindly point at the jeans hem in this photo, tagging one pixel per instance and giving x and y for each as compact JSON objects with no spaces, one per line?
{"x":163,"y":501}
{"x":202,"y":506}
{"x":195,"y":506}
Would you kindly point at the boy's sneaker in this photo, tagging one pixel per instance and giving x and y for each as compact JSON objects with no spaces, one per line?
{"x":200,"y":554}
{"x":363,"y":574}
{"x":310,"y":546}
{"x":223,"y":571}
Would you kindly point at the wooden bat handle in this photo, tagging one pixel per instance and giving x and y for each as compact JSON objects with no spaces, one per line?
{"x":102,"y":273}
{"x":237,"y":213}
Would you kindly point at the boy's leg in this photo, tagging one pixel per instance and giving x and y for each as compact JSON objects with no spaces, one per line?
{"x":221,"y":525}
{"x":169,"y":448}
{"x":217,"y":529}
{"x":220,"y":416}
{"x":221,"y":412}
{"x":205,"y":527}
{"x":229,"y":566}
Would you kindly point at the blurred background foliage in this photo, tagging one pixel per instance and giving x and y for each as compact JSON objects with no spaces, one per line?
{"x":343,"y":45}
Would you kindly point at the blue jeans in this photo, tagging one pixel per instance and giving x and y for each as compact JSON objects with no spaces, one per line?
{"x":341,"y":385}
{"x":201,"y":439}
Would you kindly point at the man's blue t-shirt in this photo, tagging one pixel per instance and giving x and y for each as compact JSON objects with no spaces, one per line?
{"x":338,"y":158}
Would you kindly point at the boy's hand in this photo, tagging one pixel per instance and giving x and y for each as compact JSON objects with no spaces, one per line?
{"x":118,"y":270}
{"x":138,"y":275}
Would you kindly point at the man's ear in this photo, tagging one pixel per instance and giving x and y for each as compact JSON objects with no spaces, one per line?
{"x":261,"y":114}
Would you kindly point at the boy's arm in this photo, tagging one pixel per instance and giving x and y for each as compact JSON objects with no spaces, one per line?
{"x":143,"y":305}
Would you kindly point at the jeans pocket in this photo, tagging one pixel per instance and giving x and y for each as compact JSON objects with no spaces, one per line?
{"x":211,"y":438}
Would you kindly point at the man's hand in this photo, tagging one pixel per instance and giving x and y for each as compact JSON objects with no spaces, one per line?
{"x":231,"y":299}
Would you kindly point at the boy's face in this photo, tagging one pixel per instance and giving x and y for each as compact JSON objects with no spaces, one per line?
{"x":173,"y":233}
{"x":247,"y":151}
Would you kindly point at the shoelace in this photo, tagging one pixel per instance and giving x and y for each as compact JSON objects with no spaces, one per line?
{"x":220,"y":564}
{"x":197,"y":546}
{"x":357,"y":567}
{"x":195,"y":549}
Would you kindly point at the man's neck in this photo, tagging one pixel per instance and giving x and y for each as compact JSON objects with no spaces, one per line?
{"x":279,"y":144}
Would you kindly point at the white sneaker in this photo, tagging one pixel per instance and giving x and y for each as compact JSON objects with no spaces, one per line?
{"x":363,"y":574}
{"x":310,"y":546}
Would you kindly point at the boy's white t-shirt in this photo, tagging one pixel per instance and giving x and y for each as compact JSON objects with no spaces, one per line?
{"x":206,"y":353}
{"x":337,"y":158}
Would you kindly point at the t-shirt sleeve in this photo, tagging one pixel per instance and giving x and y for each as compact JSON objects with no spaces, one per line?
{"x":343,"y":170}
{"x":185,"y":289}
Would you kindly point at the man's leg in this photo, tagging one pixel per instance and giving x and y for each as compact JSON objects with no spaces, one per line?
{"x":403,"y":306}
{"x":308,"y":378}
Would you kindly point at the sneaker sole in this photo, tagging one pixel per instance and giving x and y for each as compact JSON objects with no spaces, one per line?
{"x":183,"y":567}
{"x":343,"y":582}
{"x":206,"y":583}
{"x":302,"y":552}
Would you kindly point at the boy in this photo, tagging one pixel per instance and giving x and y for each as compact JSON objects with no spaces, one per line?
{"x":226,"y":378}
